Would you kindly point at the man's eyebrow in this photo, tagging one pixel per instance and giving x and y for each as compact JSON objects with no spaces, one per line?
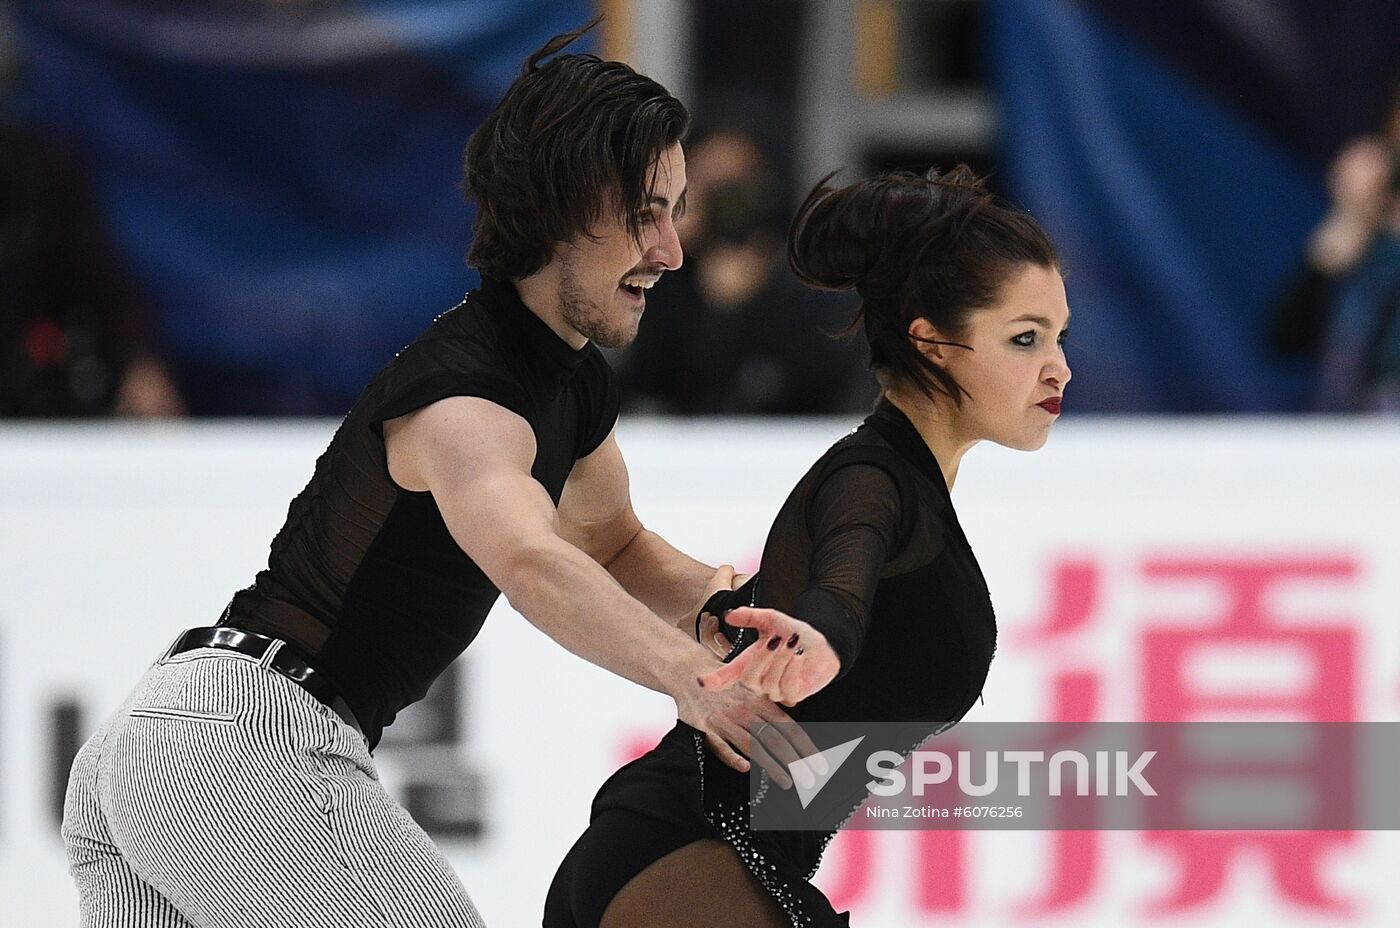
{"x":662,"y":202}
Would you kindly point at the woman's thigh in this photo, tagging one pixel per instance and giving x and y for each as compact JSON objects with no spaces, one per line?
{"x":630,"y":869}
{"x":701,"y":885}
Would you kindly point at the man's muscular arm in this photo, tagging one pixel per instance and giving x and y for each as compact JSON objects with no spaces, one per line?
{"x":475,"y":458}
{"x":596,"y":515}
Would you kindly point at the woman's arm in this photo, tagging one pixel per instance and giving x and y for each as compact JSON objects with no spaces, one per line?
{"x":853,"y":518}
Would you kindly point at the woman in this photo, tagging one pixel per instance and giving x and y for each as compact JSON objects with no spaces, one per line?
{"x":964,"y":310}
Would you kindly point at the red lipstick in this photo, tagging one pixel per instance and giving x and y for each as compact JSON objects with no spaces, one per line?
{"x":1051,"y":405}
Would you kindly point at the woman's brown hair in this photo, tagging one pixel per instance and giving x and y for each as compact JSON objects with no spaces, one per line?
{"x":936,"y":246}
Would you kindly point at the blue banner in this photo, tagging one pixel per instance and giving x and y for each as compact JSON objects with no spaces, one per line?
{"x":1177,"y":155}
{"x":282,"y":178}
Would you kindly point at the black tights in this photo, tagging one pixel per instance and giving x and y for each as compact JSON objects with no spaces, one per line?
{"x":633,"y":871}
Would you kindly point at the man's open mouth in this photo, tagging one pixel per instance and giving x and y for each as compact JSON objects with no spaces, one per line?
{"x":634,"y":286}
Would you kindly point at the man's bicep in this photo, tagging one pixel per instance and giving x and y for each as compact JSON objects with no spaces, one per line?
{"x":500,"y":519}
{"x":475,"y":458}
{"x":595,"y":510}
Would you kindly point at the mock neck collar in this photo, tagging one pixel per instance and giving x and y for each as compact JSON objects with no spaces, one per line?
{"x":894,"y":426}
{"x":531,"y":333}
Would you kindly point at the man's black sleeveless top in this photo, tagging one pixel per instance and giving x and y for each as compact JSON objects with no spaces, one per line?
{"x":365,"y":577}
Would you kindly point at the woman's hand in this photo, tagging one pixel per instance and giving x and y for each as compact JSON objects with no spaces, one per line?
{"x":790,"y":661}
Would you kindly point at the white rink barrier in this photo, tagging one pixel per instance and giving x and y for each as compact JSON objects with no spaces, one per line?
{"x":1161,"y":569}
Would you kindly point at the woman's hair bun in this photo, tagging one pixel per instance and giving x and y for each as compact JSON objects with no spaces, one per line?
{"x":860,"y":236}
{"x":931,"y":246}
{"x":830,"y":244}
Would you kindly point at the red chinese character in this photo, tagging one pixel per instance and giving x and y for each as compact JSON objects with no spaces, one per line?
{"x":941,"y":872}
{"x":1075,"y":585}
{"x":1324,"y":692}
{"x":1074,"y":857}
{"x":846,"y":868}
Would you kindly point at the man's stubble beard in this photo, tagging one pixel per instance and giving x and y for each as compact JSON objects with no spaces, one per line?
{"x":585,"y":316}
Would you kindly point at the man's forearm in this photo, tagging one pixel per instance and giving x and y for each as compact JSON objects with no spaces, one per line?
{"x":569,"y":597}
{"x":667,"y":581}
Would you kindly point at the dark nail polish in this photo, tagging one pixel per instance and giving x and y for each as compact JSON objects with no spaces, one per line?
{"x":774,"y":642}
{"x":799,"y":651}
{"x":792,"y":642}
{"x":701,"y":682}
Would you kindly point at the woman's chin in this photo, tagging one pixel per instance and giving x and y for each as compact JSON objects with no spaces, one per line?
{"x":1027,"y":442}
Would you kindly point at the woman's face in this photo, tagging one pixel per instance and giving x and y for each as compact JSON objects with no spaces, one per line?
{"x":1016,"y":371}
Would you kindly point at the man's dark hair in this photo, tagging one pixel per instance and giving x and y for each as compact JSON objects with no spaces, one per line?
{"x":572,"y":140}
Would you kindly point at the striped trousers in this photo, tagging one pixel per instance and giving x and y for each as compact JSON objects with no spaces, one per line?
{"x":223,"y":795}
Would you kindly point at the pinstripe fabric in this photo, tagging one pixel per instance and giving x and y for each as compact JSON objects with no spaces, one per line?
{"x":222,"y":794}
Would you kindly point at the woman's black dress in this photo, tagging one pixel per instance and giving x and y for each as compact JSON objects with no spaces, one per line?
{"x":868,"y":550}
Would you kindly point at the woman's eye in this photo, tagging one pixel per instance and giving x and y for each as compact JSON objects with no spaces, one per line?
{"x":1024,"y":340}
{"x":1064,"y":336}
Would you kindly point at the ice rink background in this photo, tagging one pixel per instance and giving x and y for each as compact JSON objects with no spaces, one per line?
{"x":115,"y":537}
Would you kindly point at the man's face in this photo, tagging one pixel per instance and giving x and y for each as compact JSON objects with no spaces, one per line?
{"x":603,"y":279}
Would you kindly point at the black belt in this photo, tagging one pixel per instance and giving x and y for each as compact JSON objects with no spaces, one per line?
{"x":286,"y":661}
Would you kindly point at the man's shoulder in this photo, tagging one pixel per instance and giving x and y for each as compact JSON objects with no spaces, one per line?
{"x":469,"y":318}
{"x":466,"y":333}
{"x":460,"y":354}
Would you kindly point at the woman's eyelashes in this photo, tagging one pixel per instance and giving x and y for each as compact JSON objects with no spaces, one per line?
{"x":1028,"y":339}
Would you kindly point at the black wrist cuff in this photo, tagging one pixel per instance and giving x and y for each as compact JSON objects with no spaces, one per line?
{"x":724,"y":600}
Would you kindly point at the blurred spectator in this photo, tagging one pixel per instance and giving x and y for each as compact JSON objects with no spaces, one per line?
{"x":76,"y":334}
{"x":717,"y":157}
{"x":732,"y":332}
{"x":1344,"y":305}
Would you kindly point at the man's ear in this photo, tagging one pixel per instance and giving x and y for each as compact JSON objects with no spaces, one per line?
{"x":926,"y":339}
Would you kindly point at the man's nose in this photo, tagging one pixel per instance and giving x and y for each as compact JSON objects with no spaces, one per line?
{"x":668,"y":252}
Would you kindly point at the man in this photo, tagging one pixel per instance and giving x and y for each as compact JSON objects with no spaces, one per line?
{"x":235,"y":785}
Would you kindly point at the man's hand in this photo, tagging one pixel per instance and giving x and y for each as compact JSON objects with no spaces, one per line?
{"x":790,"y":661}
{"x":711,"y":637}
{"x":727,"y":717}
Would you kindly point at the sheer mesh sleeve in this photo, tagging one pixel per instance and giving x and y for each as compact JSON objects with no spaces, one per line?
{"x":854,"y":520}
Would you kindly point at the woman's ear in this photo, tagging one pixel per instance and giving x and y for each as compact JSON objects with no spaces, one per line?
{"x":926,"y":339}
